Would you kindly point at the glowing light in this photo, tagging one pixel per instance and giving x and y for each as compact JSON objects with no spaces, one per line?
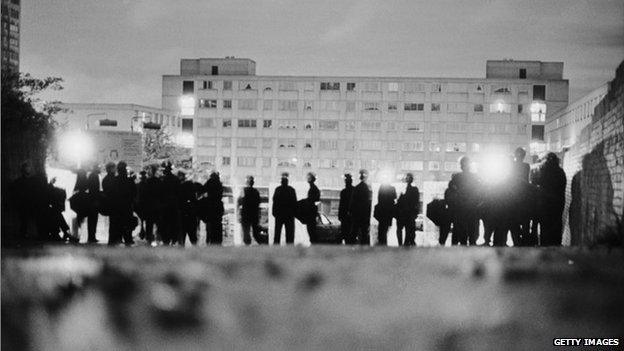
{"x":495,"y":167}
{"x":75,"y":146}
{"x":187,"y":105}
{"x":294,"y":159}
{"x":538,"y":112}
{"x":385,"y":175}
{"x":186,"y":140}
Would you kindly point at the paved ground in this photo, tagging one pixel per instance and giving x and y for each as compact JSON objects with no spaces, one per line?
{"x":263,"y":298}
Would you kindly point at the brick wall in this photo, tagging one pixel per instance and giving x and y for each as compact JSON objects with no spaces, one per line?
{"x":595,"y":170}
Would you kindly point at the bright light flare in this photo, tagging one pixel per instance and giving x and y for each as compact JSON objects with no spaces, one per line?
{"x":186,"y":140}
{"x":187,"y":105}
{"x":495,"y":168}
{"x":75,"y":146}
{"x":385,"y":175}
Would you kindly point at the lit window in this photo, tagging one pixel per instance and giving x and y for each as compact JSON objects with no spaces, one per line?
{"x":205,"y":103}
{"x":187,"y":105}
{"x":456,"y":147}
{"x":538,"y":112}
{"x":451,"y":166}
{"x":476,"y":147}
{"x":411,"y":166}
{"x":500,"y":107}
{"x":434,"y":146}
{"x":246,"y":161}
{"x":393,"y":87}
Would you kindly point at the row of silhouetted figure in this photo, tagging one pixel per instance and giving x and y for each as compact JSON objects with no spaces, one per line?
{"x":168,"y":207}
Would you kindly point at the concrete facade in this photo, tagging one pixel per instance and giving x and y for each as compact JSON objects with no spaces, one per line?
{"x":264,"y":125}
{"x":10,"y":34}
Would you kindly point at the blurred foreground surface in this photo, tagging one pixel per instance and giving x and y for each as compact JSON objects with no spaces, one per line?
{"x":341,"y":298}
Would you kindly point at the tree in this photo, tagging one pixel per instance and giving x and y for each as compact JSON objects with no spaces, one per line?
{"x":158,"y":146}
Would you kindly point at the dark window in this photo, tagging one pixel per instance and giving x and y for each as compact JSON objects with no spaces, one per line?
{"x":108,"y":123}
{"x":215,"y":70}
{"x":188,"y":87}
{"x":539,"y":92}
{"x":207,"y":84}
{"x":187,"y":125}
{"x":522,"y":73}
{"x":520,"y":107}
{"x":537,"y":132}
{"x":350,"y":86}
{"x":478,"y":108}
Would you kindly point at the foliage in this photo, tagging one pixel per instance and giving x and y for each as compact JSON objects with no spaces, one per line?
{"x":158,"y":146}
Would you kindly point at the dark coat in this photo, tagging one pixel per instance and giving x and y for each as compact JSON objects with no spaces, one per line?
{"x":93,"y":184}
{"x":124,"y":195}
{"x":407,"y":204}
{"x":284,"y":202}
{"x":465,"y":195}
{"x":310,"y":210}
{"x":361,"y":202}
{"x":23,"y":194}
{"x":384,"y":210}
{"x":187,"y":198}
{"x":170,"y":188}
{"x":552,"y":183}
{"x":57,"y":198}
{"x":250,"y":205}
{"x":345,"y":202}
{"x":211,"y":207}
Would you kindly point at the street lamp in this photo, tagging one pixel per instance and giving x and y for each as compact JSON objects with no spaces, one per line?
{"x":76,"y":146}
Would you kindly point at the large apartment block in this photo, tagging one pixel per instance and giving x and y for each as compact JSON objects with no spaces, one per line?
{"x":244,"y":123}
{"x":10,"y":34}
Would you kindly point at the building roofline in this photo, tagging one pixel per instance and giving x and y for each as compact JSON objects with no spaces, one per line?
{"x":572,"y":105}
{"x":115,"y":106}
{"x":220,"y":58}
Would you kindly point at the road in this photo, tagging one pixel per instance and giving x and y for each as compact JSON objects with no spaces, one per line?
{"x":288,"y":298}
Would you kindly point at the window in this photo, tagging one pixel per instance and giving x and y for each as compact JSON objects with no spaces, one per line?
{"x":451,"y":166}
{"x":205,"y":123}
{"x":188,"y":87}
{"x":205,"y":103}
{"x":215,"y":70}
{"x":371,"y":125}
{"x":414,"y":127}
{"x":246,"y":123}
{"x":307,"y":164}
{"x":187,"y":125}
{"x":393,"y":87}
{"x":476,"y":147}
{"x":327,"y":163}
{"x":414,"y":107}
{"x":413,"y":146}
{"x":267,"y":105}
{"x":286,"y":124}
{"x":285,"y":163}
{"x":412,"y":165}
{"x":227,"y":104}
{"x":328,"y":125}
{"x":371,"y":106}
{"x":537,"y":132}
{"x":287,"y":86}
{"x":227,"y":85}
{"x":225,"y":161}
{"x":350,"y":86}
{"x":247,"y":104}
{"x":308,"y":126}
{"x":247,"y":142}
{"x":500,"y":107}
{"x":370,"y":86}
{"x":520,"y":108}
{"x":350,"y":125}
{"x":330,"y":86}
{"x":267,"y":143}
{"x":436,"y":88}
{"x":522,"y":73}
{"x":267,"y":123}
{"x":392,"y":106}
{"x":350,"y":106}
{"x":226,"y":142}
{"x":371,"y":145}
{"x":288,"y":105}
{"x":434,"y":165}
{"x":478,"y":108}
{"x":455,"y":147}
{"x":328,"y":144}
{"x":227,"y":123}
{"x":308,"y":105}
{"x":434,"y":146}
{"x":391,"y":145}
{"x":207,"y":84}
{"x":247,"y":85}
{"x":538,"y":112}
{"x":539,"y":92}
{"x":435,"y":107}
{"x":350,"y":145}
{"x":246,"y":161}
{"x":329,"y":105}
{"x":412,"y":87}
{"x":501,"y":90}
{"x":266,"y":162}
{"x":307,"y":144}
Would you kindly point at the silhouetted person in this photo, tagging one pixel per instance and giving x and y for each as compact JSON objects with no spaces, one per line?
{"x":284,"y":208}
{"x":444,"y":222}
{"x":249,"y":205}
{"x":81,"y":202}
{"x":123,"y":200}
{"x":23,"y":199}
{"x":140,"y":203}
{"x":214,"y":215}
{"x":360,"y":209}
{"x":464,"y":200}
{"x":346,"y":222}
{"x":311,"y":210}
{"x":384,"y":211}
{"x":187,"y":210}
{"x":498,"y":204}
{"x":520,"y":216}
{"x":406,"y":212}
{"x":56,"y":208}
{"x":108,"y":195}
{"x":169,"y":221}
{"x":552,"y":182}
{"x":150,"y":202}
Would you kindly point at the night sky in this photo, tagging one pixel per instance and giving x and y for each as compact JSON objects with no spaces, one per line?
{"x":117,"y":51}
